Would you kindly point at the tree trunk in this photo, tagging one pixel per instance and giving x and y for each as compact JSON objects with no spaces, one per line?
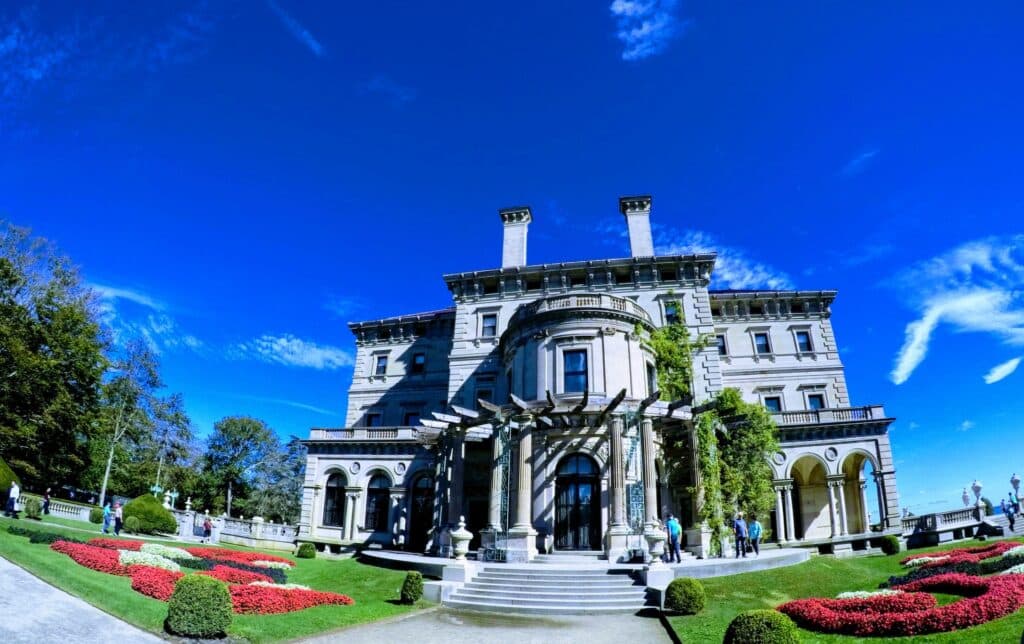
{"x":106,"y":473}
{"x":229,"y":499}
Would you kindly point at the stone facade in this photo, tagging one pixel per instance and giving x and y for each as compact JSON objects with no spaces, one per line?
{"x":527,"y":408}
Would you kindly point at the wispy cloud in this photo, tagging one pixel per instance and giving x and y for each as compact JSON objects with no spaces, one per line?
{"x":144,"y":317}
{"x":288,"y":403}
{"x":343,"y":307}
{"x":296,"y":29}
{"x":111,"y":293}
{"x":645,"y":27}
{"x":966,"y":426}
{"x":1001,"y":371}
{"x":859,"y":162}
{"x":733,"y":268}
{"x":293,"y":352}
{"x":380,"y":84}
{"x":976,"y":287}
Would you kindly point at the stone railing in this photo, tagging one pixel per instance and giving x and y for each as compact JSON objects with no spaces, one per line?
{"x":937,"y":521}
{"x":258,"y":533}
{"x":825,"y":416}
{"x":364,"y":434}
{"x":63,"y":509}
{"x":587,"y":301}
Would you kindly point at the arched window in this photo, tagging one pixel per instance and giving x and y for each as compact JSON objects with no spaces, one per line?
{"x":577,"y":464}
{"x":334,"y":500}
{"x":378,"y":499}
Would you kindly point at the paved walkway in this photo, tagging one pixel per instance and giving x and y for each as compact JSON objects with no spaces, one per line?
{"x":32,"y":611}
{"x":444,"y":626}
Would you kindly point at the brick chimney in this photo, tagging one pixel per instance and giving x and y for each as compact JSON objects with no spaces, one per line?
{"x":513,"y":247}
{"x":638,"y":217}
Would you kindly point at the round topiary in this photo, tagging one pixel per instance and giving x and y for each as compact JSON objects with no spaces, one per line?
{"x":152,"y":515}
{"x":762,"y":627}
{"x":890,"y":544}
{"x":199,"y":607}
{"x":33,"y":508}
{"x":96,"y":516}
{"x":412,"y":587}
{"x":306,"y":551}
{"x":131,"y":524}
{"x":685,"y":595}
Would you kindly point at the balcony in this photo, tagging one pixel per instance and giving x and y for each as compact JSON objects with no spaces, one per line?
{"x":363,"y":434}
{"x":588,"y":301}
{"x":827,"y":416}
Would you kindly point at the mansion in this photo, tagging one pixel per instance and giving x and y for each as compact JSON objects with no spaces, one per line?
{"x":528,"y":412}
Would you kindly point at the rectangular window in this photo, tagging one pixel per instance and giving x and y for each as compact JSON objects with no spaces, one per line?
{"x":419,"y":363}
{"x":382,"y":366}
{"x":575,"y":371}
{"x":816,"y":401}
{"x":374,"y":419}
{"x":761,"y":343}
{"x":773,"y":404}
{"x":720,"y":341}
{"x":652,"y":379}
{"x":412,"y":419}
{"x":803,"y":341}
{"x":489,"y":328}
{"x":672,"y":312}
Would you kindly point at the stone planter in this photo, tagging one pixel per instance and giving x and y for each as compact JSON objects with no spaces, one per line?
{"x":655,"y":544}
{"x":460,"y":540}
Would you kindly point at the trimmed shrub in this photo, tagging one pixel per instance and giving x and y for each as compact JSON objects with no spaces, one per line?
{"x":33,"y":508}
{"x":306,"y":551}
{"x":96,"y":516}
{"x":199,"y":607}
{"x":152,"y":516}
{"x":131,"y":525}
{"x":412,"y":587}
{"x":39,"y":536}
{"x":686,"y":596}
{"x":890,"y":544}
{"x":761,"y":627}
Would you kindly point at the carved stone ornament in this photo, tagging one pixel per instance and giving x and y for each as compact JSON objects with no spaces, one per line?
{"x":400,"y":469}
{"x":831,"y":454}
{"x":355,"y":467}
{"x":779,"y":458}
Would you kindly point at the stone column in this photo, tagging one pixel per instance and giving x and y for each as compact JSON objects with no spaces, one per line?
{"x":787,"y":496}
{"x":833,"y":525}
{"x":618,"y":532}
{"x":880,"y":488}
{"x":457,"y":472}
{"x":494,"y":516}
{"x":351,"y":513}
{"x":522,"y":538}
{"x":398,"y":516}
{"x":650,"y":473}
{"x":865,"y":518}
{"x":843,"y":528}
{"x":780,"y":526}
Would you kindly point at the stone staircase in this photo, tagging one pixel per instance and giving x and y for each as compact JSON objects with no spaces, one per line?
{"x":570,"y":588}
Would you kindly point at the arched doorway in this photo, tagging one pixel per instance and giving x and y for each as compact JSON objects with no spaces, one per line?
{"x":378,"y":504}
{"x":334,"y":501}
{"x":577,"y":504}
{"x":860,"y":493}
{"x":421,"y":518}
{"x":810,"y":499}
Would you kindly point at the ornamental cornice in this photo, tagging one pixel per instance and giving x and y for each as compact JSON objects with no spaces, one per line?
{"x":516,"y":215}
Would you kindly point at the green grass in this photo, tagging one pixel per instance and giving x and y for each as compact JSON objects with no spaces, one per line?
{"x":369,"y":586}
{"x":821,"y":577}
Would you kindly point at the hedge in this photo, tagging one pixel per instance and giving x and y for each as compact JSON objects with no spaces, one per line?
{"x":33,"y":508}
{"x":153,"y":517}
{"x":40,"y":536}
{"x":199,"y":607}
{"x":890,"y":544}
{"x":132,"y":525}
{"x":412,"y":587}
{"x":685,"y":595}
{"x":96,"y":516}
{"x":761,"y":627}
{"x":306,"y":551}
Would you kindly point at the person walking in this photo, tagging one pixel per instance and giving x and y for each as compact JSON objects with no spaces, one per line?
{"x":754,"y":530}
{"x":675,"y":531}
{"x":118,"y":519}
{"x":1014,"y":502}
{"x":12,"y":500}
{"x":108,"y":516}
{"x":46,"y":501}
{"x":207,"y":529}
{"x":739,"y":529}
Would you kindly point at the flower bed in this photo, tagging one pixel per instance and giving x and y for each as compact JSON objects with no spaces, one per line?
{"x":231,"y":575}
{"x":961,"y":555}
{"x":93,"y":557}
{"x":130,"y":558}
{"x":248,"y":558}
{"x":166,"y":551}
{"x":864,"y":594}
{"x":267,"y":600}
{"x":116,"y":544}
{"x":154,"y":582}
{"x":985,"y":567}
{"x":914,"y":612}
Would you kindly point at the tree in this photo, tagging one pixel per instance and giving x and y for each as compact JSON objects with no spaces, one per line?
{"x":277,"y":485}
{"x":749,"y":439}
{"x":51,"y":361}
{"x":236,"y":447}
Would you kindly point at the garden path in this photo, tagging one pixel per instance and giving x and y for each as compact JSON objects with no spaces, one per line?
{"x":444,"y":626}
{"x":32,"y":611}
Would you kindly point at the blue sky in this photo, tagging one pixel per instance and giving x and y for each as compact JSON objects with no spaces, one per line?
{"x":241,"y":179}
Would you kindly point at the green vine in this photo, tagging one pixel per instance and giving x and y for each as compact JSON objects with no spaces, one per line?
{"x":709,"y":490}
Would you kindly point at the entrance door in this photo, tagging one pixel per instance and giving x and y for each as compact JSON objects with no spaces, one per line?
{"x":577,"y":504}
{"x":422,"y":514}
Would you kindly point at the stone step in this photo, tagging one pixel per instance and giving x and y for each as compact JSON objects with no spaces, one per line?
{"x":559,"y":587}
{"x":636,"y":602}
{"x":637,"y":594}
{"x":511,"y":578}
{"x":544,"y":609}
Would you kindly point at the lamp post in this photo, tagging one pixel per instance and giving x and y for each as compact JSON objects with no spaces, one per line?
{"x":174,"y":497}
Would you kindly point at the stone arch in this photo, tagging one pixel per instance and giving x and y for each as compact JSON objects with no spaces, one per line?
{"x":812,"y":519}
{"x":377,"y":514}
{"x":421,"y":509}
{"x":857,"y":488}
{"x":334,"y":508}
{"x":577,"y":502}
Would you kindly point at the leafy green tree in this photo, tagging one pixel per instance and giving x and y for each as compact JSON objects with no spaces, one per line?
{"x":237,"y":446}
{"x":277,"y":484}
{"x":749,"y":438}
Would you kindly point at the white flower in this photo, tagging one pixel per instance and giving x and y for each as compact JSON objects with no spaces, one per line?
{"x":281,"y":586}
{"x":132,"y":558}
{"x":1014,"y":552}
{"x":920,"y":561}
{"x":1016,"y":570}
{"x":865,"y":594}
{"x":166,"y":551}
{"x":280,"y":565}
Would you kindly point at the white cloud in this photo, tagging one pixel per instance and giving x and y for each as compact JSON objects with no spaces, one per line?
{"x":860,"y":162}
{"x":645,"y":27}
{"x":296,"y":29}
{"x":288,"y":403}
{"x":1001,"y":371}
{"x":118,"y":293}
{"x":733,"y":269}
{"x":153,"y":324}
{"x":976,"y":287}
{"x":967,"y":425}
{"x":294,"y":352}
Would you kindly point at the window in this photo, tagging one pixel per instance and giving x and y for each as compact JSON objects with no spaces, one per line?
{"x":489,"y":328}
{"x":761,"y":343}
{"x":411,"y":419}
{"x":652,"y":379}
{"x":419,"y":363}
{"x":720,"y":341}
{"x":773,"y":404}
{"x":671,"y":312}
{"x":803,"y":341}
{"x":816,"y":401}
{"x":334,"y":501}
{"x":574,"y":371}
{"x":382,"y":366}
{"x":378,"y":500}
{"x":374,"y":420}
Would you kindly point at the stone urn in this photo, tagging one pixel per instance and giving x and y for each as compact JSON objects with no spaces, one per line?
{"x":976,"y":487}
{"x":655,"y":544}
{"x":966,"y":499}
{"x":460,"y":540}
{"x":1015,"y":482}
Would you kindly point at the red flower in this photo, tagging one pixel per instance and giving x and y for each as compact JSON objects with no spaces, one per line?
{"x":247,"y":558}
{"x":92,"y":557}
{"x":116,"y":544}
{"x":231,"y":575}
{"x":157,"y":583}
{"x":266,"y":600}
{"x":965,"y":555}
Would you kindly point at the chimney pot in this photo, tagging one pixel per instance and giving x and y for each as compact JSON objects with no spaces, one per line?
{"x":637,"y":211}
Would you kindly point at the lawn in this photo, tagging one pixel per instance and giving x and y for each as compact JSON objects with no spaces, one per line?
{"x":372,"y":588}
{"x":820,"y":577}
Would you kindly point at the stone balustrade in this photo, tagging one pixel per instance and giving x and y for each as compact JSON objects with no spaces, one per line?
{"x":63,"y":509}
{"x":825,"y":416}
{"x":364,"y":434}
{"x":600,"y":301}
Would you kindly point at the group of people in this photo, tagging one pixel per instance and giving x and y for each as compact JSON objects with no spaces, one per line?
{"x":115,"y":514}
{"x":744,"y":533}
{"x":1011,"y":508}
